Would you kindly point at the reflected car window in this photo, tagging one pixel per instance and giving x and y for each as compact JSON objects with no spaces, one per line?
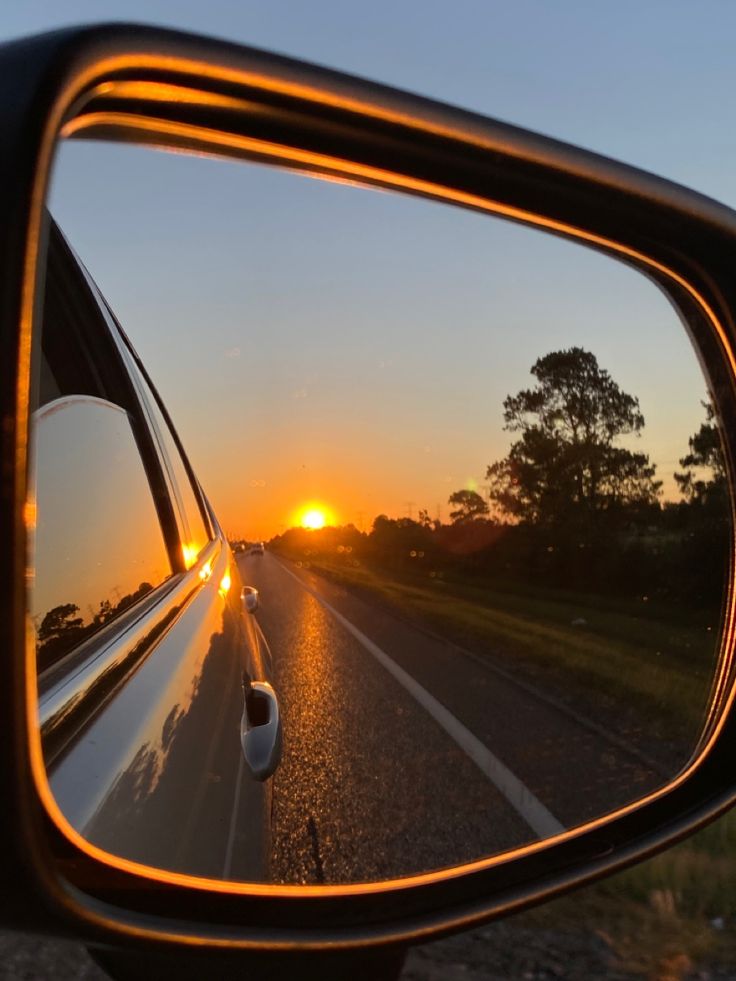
{"x":98,"y":542}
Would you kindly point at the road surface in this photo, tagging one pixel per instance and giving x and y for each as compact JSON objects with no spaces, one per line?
{"x":372,"y":785}
{"x":402,"y":754}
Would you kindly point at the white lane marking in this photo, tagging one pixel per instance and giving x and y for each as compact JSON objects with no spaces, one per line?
{"x":523,"y":801}
{"x":233,"y":821}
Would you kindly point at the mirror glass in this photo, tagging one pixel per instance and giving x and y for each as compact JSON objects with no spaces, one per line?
{"x":472,"y":470}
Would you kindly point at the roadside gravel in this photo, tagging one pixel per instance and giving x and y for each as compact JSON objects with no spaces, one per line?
{"x":507,"y":951}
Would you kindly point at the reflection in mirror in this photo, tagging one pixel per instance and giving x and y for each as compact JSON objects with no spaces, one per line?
{"x":98,"y":544}
{"x":480,"y":491}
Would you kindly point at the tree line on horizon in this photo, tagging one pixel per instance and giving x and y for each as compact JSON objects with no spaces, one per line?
{"x":569,"y":505}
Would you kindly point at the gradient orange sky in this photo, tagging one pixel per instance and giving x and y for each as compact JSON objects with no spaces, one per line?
{"x":324,"y":344}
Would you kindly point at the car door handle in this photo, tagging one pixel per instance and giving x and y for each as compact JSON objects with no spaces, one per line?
{"x":260,"y":729}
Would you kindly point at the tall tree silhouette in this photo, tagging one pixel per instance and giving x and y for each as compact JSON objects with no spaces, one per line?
{"x":566,"y":463}
{"x":703,"y":480}
{"x":469,"y":505}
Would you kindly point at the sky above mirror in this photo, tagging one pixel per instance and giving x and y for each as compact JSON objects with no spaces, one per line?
{"x":644,"y":83}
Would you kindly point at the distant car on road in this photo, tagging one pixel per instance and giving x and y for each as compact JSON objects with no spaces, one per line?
{"x":257,"y":548}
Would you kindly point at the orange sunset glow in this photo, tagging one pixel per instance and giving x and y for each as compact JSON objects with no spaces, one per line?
{"x":384,"y":393}
{"x":315,"y":516}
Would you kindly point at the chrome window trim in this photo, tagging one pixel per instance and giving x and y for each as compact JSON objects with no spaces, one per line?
{"x":126,"y":358}
{"x":69,"y":698}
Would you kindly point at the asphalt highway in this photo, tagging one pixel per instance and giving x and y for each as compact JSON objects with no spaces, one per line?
{"x":402,"y":754}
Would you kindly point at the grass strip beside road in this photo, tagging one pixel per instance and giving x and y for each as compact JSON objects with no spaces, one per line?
{"x":676,"y":912}
{"x":660,"y":664}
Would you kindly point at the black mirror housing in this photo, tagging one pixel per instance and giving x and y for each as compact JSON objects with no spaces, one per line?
{"x":177,"y":91}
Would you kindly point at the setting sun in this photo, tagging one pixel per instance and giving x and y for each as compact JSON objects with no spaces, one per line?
{"x":314,"y":518}
{"x":313,"y":515}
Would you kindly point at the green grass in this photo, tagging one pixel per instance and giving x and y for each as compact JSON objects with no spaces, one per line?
{"x":696,"y":878}
{"x":667,"y":916}
{"x":659,"y":659}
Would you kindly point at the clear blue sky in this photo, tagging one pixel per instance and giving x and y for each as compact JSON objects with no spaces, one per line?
{"x":308,"y":337}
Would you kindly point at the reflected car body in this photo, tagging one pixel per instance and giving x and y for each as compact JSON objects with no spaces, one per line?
{"x":142,"y":699}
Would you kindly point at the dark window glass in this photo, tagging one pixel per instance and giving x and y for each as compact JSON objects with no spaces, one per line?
{"x":193,"y":526}
{"x":194,"y":532}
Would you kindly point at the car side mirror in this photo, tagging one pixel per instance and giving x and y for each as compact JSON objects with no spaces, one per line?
{"x":183,"y":93}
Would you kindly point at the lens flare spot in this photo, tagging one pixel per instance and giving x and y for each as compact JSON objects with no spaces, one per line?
{"x":190,"y":555}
